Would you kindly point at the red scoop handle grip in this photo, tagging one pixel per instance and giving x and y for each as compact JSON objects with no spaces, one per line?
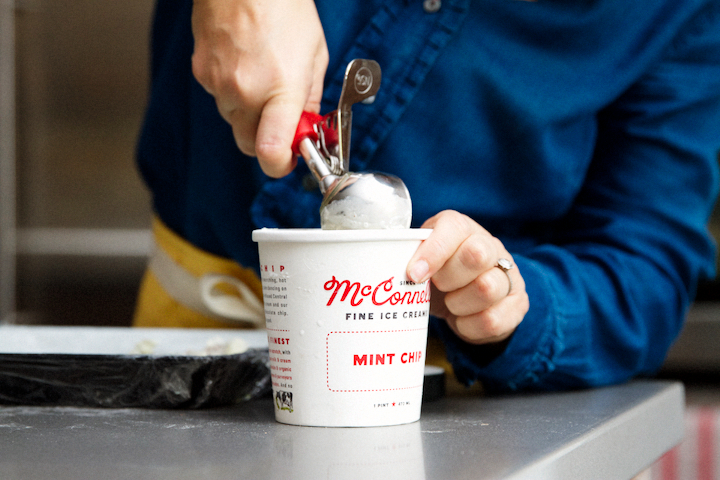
{"x":306,"y":129}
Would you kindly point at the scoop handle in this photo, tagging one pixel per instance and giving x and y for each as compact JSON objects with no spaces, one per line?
{"x":306,"y":129}
{"x":304,"y":144}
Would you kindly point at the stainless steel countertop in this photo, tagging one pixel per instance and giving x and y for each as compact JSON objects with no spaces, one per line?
{"x":612,"y":432}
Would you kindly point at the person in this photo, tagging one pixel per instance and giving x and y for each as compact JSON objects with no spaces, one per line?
{"x":564,"y":153}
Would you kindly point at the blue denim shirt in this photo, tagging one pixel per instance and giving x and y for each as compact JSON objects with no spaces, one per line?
{"x":583,"y":134}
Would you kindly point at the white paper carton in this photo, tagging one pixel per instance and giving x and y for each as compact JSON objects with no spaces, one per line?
{"x":347,"y":330}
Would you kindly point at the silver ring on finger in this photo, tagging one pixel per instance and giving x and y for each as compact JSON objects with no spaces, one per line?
{"x":505,"y":265}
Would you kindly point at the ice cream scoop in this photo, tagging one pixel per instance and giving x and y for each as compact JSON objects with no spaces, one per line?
{"x":352,"y":201}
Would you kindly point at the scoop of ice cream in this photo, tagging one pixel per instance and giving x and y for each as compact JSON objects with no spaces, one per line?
{"x":360,"y":201}
{"x":355,"y":213}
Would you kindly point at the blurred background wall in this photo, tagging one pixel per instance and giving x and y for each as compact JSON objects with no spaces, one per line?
{"x":82,"y":211}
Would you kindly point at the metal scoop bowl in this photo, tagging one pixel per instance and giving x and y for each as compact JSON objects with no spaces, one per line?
{"x":361,"y":201}
{"x":352,"y":201}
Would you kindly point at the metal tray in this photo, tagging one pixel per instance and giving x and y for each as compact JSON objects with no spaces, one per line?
{"x":113,"y":367}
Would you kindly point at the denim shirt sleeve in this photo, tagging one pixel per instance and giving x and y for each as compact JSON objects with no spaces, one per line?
{"x":608,"y":297}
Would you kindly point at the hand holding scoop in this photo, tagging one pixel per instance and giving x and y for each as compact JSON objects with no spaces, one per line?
{"x":352,"y":201}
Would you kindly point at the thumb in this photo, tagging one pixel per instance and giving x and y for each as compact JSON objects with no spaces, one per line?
{"x":275,"y":133}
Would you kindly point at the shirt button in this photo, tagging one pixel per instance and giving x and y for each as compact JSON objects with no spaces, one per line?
{"x":432,"y":6}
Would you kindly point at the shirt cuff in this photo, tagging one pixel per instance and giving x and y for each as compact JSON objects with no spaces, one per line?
{"x":523,"y":361}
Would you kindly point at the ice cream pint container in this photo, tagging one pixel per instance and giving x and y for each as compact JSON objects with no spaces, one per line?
{"x":347,"y":330}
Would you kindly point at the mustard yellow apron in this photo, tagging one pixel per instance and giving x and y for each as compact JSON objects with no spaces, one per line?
{"x":175,"y":274}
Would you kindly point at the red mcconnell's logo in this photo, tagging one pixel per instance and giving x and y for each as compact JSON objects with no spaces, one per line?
{"x":381,"y":294}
